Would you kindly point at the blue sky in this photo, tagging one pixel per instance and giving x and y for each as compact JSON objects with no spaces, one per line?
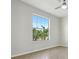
{"x":37,"y":21}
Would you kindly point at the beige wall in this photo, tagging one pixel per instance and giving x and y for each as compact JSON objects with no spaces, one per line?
{"x":64,"y":31}
{"x":21,"y":27}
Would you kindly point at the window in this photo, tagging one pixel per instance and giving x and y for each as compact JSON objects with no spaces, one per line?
{"x":39,"y":28}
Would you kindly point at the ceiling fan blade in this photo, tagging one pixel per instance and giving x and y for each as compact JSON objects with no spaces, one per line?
{"x":63,"y":4}
{"x":64,"y":1}
{"x":58,"y":7}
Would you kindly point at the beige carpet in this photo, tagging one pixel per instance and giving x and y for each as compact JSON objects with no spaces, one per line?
{"x":53,"y":53}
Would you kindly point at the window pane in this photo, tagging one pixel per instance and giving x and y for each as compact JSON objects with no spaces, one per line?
{"x":40,"y":28}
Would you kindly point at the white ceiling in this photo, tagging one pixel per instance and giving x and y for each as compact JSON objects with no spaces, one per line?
{"x":48,"y":6}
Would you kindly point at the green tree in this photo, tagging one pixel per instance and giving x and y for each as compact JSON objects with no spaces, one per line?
{"x":40,"y":34}
{"x":45,"y":32}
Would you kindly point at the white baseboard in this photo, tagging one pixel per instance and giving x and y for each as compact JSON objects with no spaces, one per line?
{"x":64,"y":45}
{"x":32,"y":51}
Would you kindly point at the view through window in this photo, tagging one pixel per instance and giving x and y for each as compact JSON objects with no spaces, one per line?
{"x":40,"y":28}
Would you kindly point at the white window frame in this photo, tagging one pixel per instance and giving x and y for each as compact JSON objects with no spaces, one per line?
{"x":48,"y":23}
